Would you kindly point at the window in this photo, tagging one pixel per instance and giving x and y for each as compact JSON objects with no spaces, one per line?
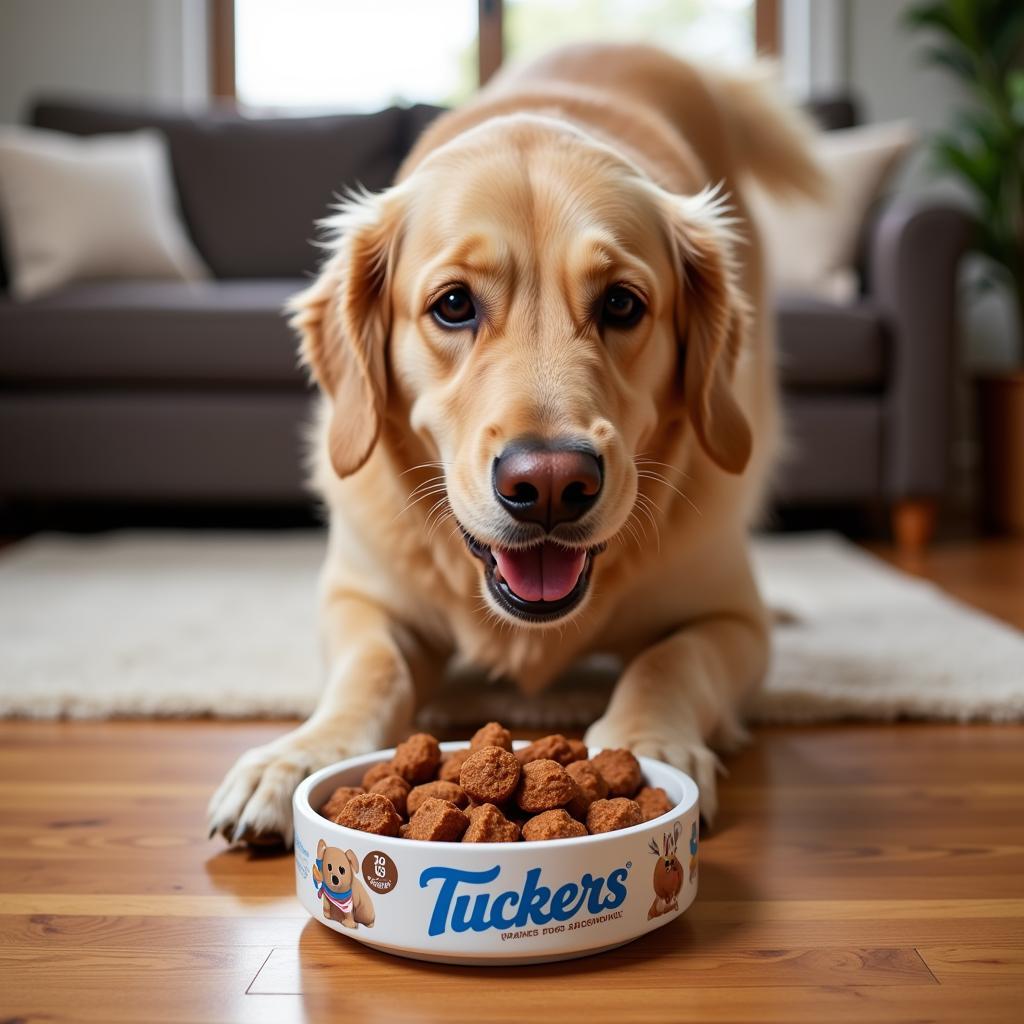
{"x":718,"y":30}
{"x":345,"y":55}
{"x":308,"y":55}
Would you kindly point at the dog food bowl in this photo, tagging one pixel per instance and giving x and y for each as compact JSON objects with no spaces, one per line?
{"x":497,"y":903}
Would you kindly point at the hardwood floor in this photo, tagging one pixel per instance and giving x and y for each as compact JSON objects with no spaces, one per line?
{"x":856,"y":873}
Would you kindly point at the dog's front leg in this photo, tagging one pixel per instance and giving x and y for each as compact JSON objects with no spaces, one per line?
{"x":679,"y":694}
{"x":368,"y":703}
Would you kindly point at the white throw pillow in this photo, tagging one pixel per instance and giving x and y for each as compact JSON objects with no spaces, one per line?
{"x":97,"y":207}
{"x":811,"y":247}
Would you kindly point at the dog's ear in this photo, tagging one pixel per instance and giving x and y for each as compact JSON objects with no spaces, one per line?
{"x":343,"y":320}
{"x":353,"y":861}
{"x":320,"y":847}
{"x":712,"y":319}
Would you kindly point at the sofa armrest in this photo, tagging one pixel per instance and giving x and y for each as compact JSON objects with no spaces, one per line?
{"x":914,"y":250}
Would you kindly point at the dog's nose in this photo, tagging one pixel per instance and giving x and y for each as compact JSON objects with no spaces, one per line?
{"x":335,"y":880}
{"x":547,"y":483}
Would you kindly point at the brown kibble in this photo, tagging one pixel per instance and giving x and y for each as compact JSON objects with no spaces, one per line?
{"x":396,"y":789}
{"x":621,"y":770}
{"x":337,"y":800}
{"x":490,"y":775}
{"x":417,"y":759}
{"x":438,"y":821}
{"x":493,"y":734}
{"x":555,"y":824}
{"x":611,"y":815}
{"x":371,"y":812}
{"x":488,"y":825}
{"x":547,"y":748}
{"x":451,"y":766}
{"x":591,"y":782}
{"x":592,"y":786}
{"x":579,"y":750}
{"x":376,"y":772}
{"x":544,"y":785}
{"x":440,"y":790}
{"x":653,"y":802}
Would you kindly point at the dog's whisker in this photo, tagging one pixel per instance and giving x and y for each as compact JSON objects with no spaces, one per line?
{"x":415,"y":501}
{"x":434,"y":481}
{"x":440,"y":522}
{"x":654,"y":462}
{"x":425,"y":465}
{"x":650,"y":502}
{"x":437,"y":515}
{"x":665,"y":483}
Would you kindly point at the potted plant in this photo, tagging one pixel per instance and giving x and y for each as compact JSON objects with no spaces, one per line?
{"x":981,"y":42}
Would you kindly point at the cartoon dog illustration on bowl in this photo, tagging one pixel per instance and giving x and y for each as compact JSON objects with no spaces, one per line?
{"x":336,"y":877}
{"x":668,"y":874}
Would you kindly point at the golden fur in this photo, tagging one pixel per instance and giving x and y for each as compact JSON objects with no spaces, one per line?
{"x":594,"y":166}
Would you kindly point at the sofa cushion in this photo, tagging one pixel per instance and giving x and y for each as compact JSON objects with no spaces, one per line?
{"x":166,"y":333}
{"x":825,"y":346}
{"x":251,"y":189}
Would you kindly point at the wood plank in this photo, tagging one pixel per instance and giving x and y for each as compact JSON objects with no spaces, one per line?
{"x":114,"y":984}
{"x":573,"y":994}
{"x":959,"y":965}
{"x":287,"y":972}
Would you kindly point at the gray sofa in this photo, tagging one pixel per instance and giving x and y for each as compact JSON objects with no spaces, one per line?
{"x":168,"y":392}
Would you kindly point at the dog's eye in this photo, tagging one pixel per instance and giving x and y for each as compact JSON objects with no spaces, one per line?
{"x":622,"y":307}
{"x":454,"y":309}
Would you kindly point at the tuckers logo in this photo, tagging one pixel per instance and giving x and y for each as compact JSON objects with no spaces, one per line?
{"x":462,"y":910}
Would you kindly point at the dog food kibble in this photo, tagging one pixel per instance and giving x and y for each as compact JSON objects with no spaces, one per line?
{"x":621,"y":770}
{"x":493,"y":734}
{"x":379,"y":771}
{"x":547,"y":748}
{"x":579,"y":750}
{"x":488,"y":825}
{"x":653,"y":802}
{"x":439,"y":789}
{"x":543,"y":786}
{"x":490,"y":775}
{"x":591,"y":786}
{"x":396,"y":789}
{"x":437,"y":821}
{"x":488,"y":793}
{"x":337,"y":800}
{"x":611,"y":815}
{"x":556,"y":824}
{"x":417,"y":759}
{"x":370,"y":812}
{"x":451,"y":766}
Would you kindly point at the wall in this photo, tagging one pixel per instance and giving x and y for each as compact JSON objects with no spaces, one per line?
{"x":132,"y":49}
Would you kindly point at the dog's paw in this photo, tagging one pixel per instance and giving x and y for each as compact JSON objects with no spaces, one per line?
{"x":683,"y":749}
{"x":254,"y":802}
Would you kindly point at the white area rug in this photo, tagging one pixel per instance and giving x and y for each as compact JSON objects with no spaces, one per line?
{"x":188,"y":624}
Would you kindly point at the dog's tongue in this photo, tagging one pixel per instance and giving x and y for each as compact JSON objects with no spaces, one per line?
{"x":544,"y":573}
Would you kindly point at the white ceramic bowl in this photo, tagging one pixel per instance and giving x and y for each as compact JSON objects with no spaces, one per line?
{"x":495,"y":903}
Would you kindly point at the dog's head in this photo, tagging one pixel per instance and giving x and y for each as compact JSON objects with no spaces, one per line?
{"x":534,"y":314}
{"x":339,"y":867}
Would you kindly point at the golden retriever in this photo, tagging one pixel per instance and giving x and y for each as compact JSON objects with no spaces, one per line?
{"x":549,"y":413}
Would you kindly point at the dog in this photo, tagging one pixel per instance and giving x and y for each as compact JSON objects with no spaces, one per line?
{"x":336,"y":877}
{"x":549,"y":413}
